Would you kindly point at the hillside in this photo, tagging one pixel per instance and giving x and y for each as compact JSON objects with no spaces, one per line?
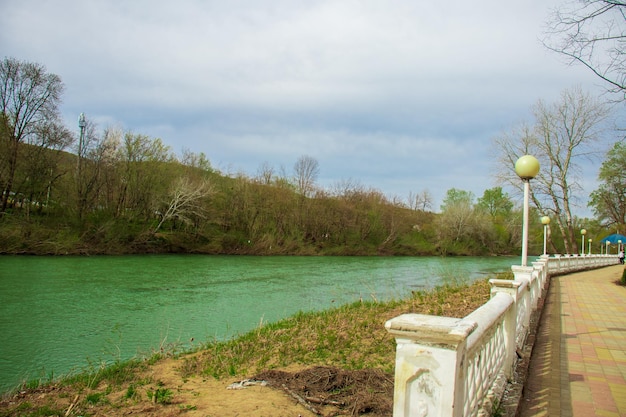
{"x":135,"y":196}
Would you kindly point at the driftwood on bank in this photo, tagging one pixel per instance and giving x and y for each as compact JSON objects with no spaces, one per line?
{"x":301,"y":400}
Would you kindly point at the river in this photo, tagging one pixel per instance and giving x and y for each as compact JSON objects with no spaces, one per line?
{"x":65,"y":314}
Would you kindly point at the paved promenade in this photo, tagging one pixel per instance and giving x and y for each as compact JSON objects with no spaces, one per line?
{"x":578,"y":364}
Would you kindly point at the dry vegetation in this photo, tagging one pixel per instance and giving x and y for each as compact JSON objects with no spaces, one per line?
{"x":330,"y":363}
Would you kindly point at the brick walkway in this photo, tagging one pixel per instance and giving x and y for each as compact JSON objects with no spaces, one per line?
{"x":578,"y":364}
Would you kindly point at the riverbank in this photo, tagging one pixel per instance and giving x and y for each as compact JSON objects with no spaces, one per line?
{"x":345,"y":346}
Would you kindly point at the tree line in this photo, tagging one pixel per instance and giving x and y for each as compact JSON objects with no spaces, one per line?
{"x":111,"y":191}
{"x":122,"y":192}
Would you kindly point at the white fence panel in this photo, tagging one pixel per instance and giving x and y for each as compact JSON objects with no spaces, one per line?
{"x":446,"y":367}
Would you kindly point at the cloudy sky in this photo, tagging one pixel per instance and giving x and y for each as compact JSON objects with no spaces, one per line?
{"x":398,"y":95}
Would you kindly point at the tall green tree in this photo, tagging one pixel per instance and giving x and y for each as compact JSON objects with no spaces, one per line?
{"x":29,"y":101}
{"x":455,"y":197}
{"x":609,"y":200}
{"x":506,"y":228}
{"x":495,"y":202}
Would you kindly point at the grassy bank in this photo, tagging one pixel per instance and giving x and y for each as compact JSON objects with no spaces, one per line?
{"x":350,"y":337}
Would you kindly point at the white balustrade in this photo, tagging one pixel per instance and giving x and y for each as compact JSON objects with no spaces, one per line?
{"x":456,"y":367}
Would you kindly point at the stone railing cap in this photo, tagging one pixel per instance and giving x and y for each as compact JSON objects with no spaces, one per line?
{"x":505,"y":283}
{"x":430,"y":329}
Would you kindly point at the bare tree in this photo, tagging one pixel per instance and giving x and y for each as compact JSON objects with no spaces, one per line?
{"x":421,"y":201}
{"x":265,"y":173}
{"x":592,"y":33}
{"x":186,"y":201}
{"x":39,"y":167}
{"x":29,"y":99}
{"x":96,"y":154}
{"x":142,"y":173}
{"x":346,"y":188}
{"x":562,"y":136}
{"x":84,"y":182}
{"x":195,"y":160}
{"x":306,"y":171}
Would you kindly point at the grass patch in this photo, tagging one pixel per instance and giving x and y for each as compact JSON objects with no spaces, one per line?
{"x":352,"y":336}
{"x":114,"y":374}
{"x":36,"y":412}
{"x":161,"y":395}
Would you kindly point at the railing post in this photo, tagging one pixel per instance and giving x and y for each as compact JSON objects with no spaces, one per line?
{"x":511,"y":288}
{"x":544,"y":261}
{"x":556,"y":265}
{"x":524,"y":273}
{"x":570,"y":261}
{"x":429,"y":353}
{"x":537,"y":281}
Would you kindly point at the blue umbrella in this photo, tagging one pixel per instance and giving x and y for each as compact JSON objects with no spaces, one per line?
{"x":613,"y":239}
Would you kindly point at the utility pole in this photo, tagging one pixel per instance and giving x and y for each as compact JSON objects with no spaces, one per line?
{"x":79,"y":164}
{"x":81,"y":139}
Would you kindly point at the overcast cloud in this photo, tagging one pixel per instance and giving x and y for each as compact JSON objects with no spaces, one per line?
{"x":402,"y":96}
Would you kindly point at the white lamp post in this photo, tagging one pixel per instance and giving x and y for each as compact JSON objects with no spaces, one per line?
{"x":589,"y":241}
{"x":583,"y":232}
{"x":545,"y":220}
{"x":527,"y":168}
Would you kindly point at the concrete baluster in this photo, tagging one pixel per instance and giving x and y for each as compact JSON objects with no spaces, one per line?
{"x":429,"y":353}
{"x":524,"y":274}
{"x":511,"y":288}
{"x":559,"y":265}
{"x":537,"y":282}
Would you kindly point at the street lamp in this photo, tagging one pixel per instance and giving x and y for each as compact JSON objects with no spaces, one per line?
{"x":583,"y":232}
{"x":589,"y":246}
{"x":545,"y":220}
{"x":527,"y":168}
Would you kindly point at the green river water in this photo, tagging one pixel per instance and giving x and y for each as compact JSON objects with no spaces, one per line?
{"x":64,"y":314}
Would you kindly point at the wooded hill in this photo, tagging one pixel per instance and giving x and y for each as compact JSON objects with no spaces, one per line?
{"x":128,"y":193}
